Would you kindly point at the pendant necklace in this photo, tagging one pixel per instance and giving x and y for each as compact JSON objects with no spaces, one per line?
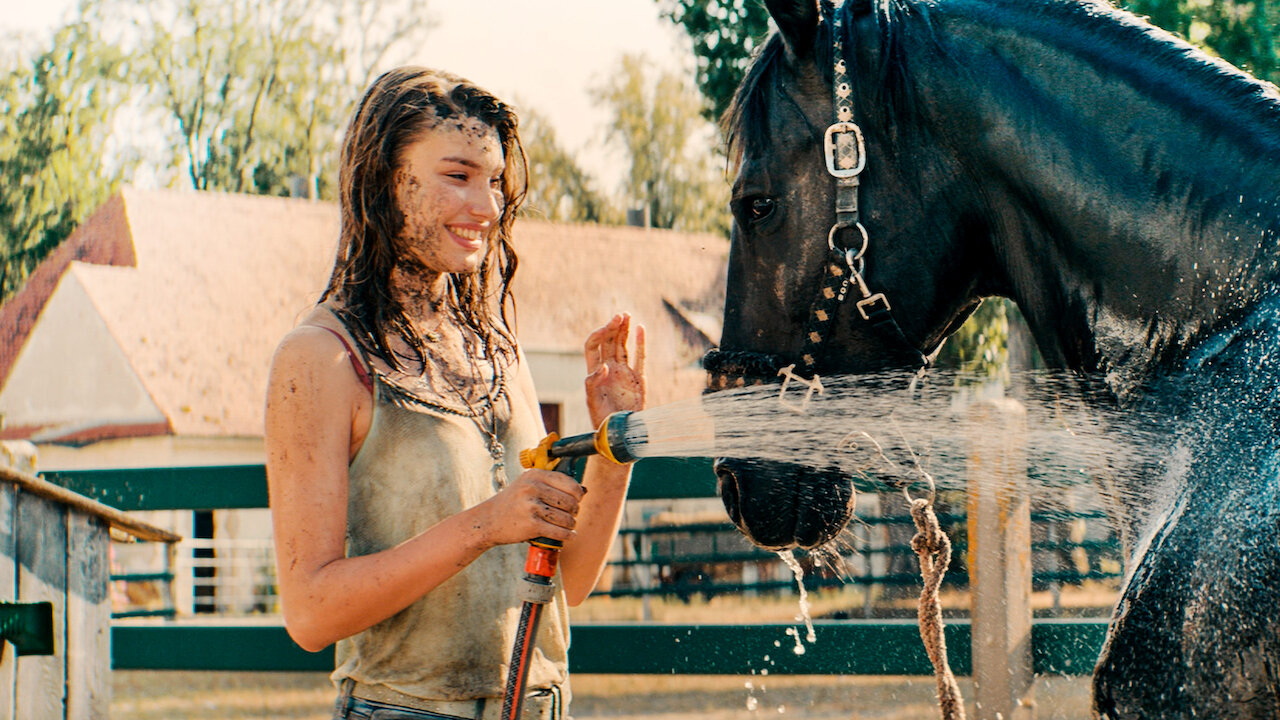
{"x":485,"y":417}
{"x":497,"y":451}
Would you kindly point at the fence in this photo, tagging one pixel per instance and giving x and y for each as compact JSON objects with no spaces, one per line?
{"x":1059,"y":645}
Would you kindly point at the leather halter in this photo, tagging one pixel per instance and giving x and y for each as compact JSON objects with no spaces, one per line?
{"x":844,"y":267}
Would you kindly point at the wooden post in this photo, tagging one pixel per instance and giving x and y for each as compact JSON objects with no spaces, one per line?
{"x":20,"y":457}
{"x":999,"y":558}
{"x":88,"y":649}
{"x":42,"y":576}
{"x":8,"y":593}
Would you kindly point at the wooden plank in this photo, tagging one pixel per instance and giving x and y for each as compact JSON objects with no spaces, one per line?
{"x":183,"y":646}
{"x":42,"y":576}
{"x":88,"y":619}
{"x":119,"y":520}
{"x":8,"y":593}
{"x":215,"y":487}
{"x":999,"y":555}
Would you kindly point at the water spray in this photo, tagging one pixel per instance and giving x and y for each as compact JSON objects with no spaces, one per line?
{"x":615,"y":439}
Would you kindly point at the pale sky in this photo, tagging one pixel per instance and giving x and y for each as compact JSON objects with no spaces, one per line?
{"x":542,"y":54}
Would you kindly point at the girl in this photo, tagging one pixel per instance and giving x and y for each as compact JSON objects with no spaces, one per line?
{"x":396,"y":411}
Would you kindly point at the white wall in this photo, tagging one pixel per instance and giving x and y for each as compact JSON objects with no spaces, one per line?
{"x":558,"y":376}
{"x":71,"y":371}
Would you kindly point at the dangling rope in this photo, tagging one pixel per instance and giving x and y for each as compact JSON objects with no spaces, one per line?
{"x":933,"y":548}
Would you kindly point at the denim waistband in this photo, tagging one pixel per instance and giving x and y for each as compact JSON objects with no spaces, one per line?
{"x":359,"y":700}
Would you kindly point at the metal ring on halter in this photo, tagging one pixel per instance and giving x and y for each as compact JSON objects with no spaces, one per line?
{"x":831,"y":237}
{"x":856,"y":263}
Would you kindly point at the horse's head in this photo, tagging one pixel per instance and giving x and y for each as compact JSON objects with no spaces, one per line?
{"x":806,"y":284}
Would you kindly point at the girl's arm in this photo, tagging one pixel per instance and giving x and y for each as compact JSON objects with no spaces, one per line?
{"x":614,"y":383}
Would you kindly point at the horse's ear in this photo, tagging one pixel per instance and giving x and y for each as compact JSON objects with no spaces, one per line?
{"x":797,"y":21}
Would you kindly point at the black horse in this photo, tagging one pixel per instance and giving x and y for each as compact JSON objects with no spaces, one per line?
{"x":1121,"y":187}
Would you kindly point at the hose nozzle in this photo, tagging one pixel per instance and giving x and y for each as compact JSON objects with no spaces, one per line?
{"x":609,"y":440}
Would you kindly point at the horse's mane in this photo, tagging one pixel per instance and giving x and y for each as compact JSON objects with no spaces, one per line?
{"x":1163,"y":64}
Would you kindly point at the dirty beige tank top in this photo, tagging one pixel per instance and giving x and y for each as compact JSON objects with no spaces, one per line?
{"x":423,"y":460}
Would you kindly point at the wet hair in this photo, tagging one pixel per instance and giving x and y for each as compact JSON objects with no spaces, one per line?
{"x":398,"y":109}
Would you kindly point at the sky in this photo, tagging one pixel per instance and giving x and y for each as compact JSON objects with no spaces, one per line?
{"x":543,"y":54}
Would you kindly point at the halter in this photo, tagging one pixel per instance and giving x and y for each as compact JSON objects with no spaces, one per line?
{"x":846,"y":157}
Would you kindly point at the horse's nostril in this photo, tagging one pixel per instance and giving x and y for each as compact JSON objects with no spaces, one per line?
{"x":729,"y":492}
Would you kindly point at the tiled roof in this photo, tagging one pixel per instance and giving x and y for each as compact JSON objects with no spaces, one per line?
{"x":197,"y":288}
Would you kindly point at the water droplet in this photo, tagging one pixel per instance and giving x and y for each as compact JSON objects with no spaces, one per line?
{"x":752,"y":703}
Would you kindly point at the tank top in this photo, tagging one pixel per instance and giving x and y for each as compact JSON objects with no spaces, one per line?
{"x":423,"y":460}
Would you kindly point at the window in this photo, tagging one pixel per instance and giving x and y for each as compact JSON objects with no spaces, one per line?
{"x":550,"y":416}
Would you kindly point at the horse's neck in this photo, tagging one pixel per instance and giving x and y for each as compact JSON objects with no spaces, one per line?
{"x":1147,"y":188}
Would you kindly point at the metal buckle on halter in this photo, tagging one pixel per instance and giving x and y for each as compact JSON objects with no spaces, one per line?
{"x":829,"y":149}
{"x":872,"y":300}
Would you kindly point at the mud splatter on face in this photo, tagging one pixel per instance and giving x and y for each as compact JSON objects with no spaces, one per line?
{"x":419,"y":242}
{"x":447,"y":188}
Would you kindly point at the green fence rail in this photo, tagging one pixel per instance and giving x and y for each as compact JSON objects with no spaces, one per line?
{"x":843,"y":647}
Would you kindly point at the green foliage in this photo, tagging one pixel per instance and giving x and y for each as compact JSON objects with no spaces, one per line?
{"x":980,"y":348}
{"x":1245,"y":34}
{"x":675,"y":168}
{"x":725,"y":34}
{"x":56,"y":113}
{"x":559,"y":189}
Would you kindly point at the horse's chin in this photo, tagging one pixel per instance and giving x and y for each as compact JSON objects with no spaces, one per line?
{"x":779,"y":506}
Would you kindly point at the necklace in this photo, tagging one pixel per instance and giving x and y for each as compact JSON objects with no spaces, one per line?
{"x":485,"y":417}
{"x":497,"y":451}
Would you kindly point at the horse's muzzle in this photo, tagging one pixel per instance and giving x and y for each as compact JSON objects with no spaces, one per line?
{"x":780,"y":506}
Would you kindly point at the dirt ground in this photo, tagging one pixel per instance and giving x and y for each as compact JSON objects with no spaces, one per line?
{"x":150,"y":695}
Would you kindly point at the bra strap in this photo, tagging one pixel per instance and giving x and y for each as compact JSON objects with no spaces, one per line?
{"x":355,"y":361}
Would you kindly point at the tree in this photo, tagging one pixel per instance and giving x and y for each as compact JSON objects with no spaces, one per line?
{"x":675,"y":169}
{"x":725,"y":34}
{"x":559,"y":189}
{"x":1242,"y":33}
{"x":56,"y":113}
{"x":257,"y":90}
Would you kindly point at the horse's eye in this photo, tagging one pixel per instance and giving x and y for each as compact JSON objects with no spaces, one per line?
{"x":760,"y":208}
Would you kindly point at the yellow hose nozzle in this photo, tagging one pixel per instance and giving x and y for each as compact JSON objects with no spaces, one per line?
{"x":609,"y":441}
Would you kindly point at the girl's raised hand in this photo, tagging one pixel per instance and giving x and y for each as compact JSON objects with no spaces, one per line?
{"x":615,"y":381}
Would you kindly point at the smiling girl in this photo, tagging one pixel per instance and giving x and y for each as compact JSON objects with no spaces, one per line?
{"x":396,"y":411}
